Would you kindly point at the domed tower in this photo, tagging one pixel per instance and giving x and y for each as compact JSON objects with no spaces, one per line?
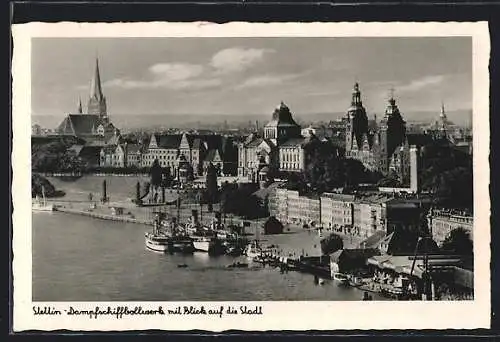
{"x":357,"y":120}
{"x":282,"y":125}
{"x":392,"y":133}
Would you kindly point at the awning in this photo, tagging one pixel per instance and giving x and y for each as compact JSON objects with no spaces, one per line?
{"x":417,"y":270}
{"x":377,"y":260}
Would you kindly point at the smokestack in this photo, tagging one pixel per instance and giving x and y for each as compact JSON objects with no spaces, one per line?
{"x":194,"y":216}
{"x":414,"y":169}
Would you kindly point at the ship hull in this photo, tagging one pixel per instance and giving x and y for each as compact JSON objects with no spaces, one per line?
{"x":181,"y":244}
{"x":43,"y":208}
{"x":157,"y":244}
{"x":201,"y":246}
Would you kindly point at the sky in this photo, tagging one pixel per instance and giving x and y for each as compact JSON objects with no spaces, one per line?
{"x":242,"y":76}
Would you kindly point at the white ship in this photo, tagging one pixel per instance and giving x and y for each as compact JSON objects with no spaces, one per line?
{"x":253,"y":250}
{"x":40,"y":204}
{"x":157,"y":242}
{"x":201,"y":243}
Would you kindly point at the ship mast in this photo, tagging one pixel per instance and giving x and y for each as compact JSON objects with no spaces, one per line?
{"x":43,"y":196}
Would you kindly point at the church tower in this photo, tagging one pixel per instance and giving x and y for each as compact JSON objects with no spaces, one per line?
{"x":97,"y":101}
{"x":443,"y":123}
{"x":79,"y":109}
{"x":392,"y":134}
{"x":357,"y":121}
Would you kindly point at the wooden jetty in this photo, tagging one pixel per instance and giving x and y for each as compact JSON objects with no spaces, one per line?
{"x":101,"y":216}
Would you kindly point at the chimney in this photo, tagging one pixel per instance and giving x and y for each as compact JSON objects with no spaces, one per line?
{"x":414,"y":169}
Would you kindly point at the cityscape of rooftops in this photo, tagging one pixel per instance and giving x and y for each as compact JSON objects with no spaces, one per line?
{"x":365,"y":141}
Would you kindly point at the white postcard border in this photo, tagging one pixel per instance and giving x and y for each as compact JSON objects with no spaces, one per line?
{"x":296,"y":315}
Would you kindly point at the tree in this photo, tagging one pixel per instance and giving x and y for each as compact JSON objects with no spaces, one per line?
{"x":138,"y":192}
{"x":331,"y":243}
{"x":326,"y":168}
{"x":155,"y":173}
{"x":391,"y":180}
{"x":38,"y":182}
{"x":242,"y":202}
{"x":458,"y":242}
{"x":448,"y":173}
{"x":167,"y":178}
{"x":212,"y":191}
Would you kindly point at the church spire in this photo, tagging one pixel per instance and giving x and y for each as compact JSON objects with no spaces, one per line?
{"x":79,"y":108}
{"x":443,"y":122}
{"x":443,"y":113}
{"x":95,"y":86}
{"x":97,"y":101}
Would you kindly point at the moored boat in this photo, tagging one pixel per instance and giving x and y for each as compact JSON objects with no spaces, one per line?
{"x":201,"y":243}
{"x":156,"y":242}
{"x":40,"y":204}
{"x":341,"y":279}
{"x":180,"y":244}
{"x":253,"y":250}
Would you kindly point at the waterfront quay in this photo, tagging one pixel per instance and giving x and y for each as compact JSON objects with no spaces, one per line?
{"x":299,"y":241}
{"x":297,"y":248}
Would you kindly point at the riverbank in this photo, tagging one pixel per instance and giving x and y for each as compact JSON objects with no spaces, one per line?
{"x":294,"y":242}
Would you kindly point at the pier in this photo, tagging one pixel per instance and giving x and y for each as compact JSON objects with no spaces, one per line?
{"x":101,"y":216}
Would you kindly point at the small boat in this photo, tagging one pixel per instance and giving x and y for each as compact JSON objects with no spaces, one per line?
{"x":41,"y":204}
{"x":253,"y":251}
{"x":356,"y":281}
{"x":238,"y":265}
{"x":201,"y":243}
{"x":182,"y":265}
{"x":341,"y":279}
{"x":156,"y":241}
{"x":180,"y":244}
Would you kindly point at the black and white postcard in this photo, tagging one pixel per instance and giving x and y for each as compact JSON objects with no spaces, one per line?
{"x":247,"y":176}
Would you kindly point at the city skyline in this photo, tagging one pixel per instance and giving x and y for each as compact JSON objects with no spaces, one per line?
{"x":238,"y":76}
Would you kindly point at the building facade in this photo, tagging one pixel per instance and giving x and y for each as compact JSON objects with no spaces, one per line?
{"x":196,"y":150}
{"x":442,"y":222}
{"x":281,"y":147}
{"x":337,"y":211}
{"x":362,"y":215}
{"x":373,"y":146}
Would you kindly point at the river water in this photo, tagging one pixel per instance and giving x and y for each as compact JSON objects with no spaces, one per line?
{"x":76,"y":258}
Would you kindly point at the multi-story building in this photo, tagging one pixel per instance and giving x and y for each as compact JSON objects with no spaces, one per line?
{"x":369,"y":216}
{"x":442,"y":222}
{"x":121,"y":155}
{"x":358,"y":215}
{"x":281,"y":148}
{"x":373,"y":146}
{"x":291,"y":208}
{"x":128,"y":155}
{"x":197,"y":150}
{"x":336,"y":210}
